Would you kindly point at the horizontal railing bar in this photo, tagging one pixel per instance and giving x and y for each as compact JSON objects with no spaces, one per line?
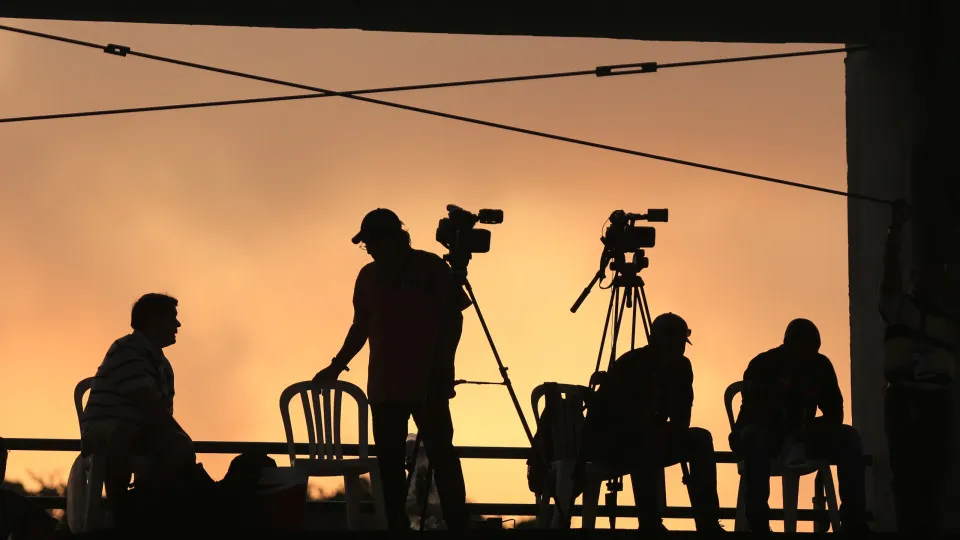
{"x":279,"y":448}
{"x":514,"y":509}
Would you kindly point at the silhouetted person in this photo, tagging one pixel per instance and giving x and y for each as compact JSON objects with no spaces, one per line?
{"x":783,"y":388}
{"x":409,"y":306}
{"x":919,"y":366}
{"x":129,"y":412}
{"x":639,"y":423}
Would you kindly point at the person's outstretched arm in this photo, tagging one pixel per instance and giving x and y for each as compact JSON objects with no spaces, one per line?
{"x":356,"y":336}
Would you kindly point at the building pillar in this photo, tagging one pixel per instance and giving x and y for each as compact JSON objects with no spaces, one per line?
{"x":901,"y":141}
{"x":879,"y":146}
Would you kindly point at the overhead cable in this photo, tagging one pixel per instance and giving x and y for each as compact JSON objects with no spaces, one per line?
{"x":600,"y":71}
{"x":121,"y":50}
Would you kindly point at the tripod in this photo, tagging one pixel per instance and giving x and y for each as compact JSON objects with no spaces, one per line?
{"x":627,"y":291}
{"x":458,"y":263}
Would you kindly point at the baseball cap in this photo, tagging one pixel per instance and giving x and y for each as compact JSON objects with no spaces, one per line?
{"x":670,"y":324}
{"x":378,"y":223}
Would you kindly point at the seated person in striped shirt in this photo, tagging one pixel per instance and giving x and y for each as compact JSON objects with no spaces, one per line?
{"x":130,"y":409}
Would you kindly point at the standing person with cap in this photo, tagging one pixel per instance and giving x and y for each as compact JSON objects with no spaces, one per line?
{"x":639,"y":422}
{"x":410,"y":308}
{"x":783,"y":388}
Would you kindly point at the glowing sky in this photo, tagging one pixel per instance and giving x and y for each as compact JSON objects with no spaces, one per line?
{"x":245,"y":213}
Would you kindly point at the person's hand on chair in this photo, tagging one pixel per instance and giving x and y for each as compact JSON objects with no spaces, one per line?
{"x":328,"y":374}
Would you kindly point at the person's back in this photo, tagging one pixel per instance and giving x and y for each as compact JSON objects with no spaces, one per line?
{"x":625,"y":400}
{"x":784,"y":390}
{"x":130,"y":365}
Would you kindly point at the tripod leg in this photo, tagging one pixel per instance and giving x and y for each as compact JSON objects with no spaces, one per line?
{"x":645,"y":312}
{"x":606,"y":328}
{"x":506,"y":382}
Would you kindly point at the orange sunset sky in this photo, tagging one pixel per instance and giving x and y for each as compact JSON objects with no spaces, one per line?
{"x":245,"y":213}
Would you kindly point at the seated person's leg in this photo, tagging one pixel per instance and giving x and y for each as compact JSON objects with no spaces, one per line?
{"x":642,"y":472}
{"x":699,"y":452}
{"x":114,"y":442}
{"x":841,"y":444}
{"x":172,"y":457}
{"x":757,"y":446}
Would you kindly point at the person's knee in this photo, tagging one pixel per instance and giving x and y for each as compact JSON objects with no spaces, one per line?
{"x":700,"y":440}
{"x":850,"y":440}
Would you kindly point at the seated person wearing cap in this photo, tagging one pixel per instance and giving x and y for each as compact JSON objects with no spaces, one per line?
{"x":783,"y":388}
{"x":639,"y":422}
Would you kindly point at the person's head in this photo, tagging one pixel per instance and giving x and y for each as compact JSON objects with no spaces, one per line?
{"x":670,"y":334}
{"x":802,"y":336}
{"x":155,"y":315}
{"x":382,"y":235}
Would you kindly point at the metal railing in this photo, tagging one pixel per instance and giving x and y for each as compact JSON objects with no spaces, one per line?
{"x":466,"y":452}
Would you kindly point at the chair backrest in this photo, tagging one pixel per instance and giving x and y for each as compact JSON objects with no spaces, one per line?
{"x":323,"y":421}
{"x":81,"y":389}
{"x":567,"y":426}
{"x":728,"y":396}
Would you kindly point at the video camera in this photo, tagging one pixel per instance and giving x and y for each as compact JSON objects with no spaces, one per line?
{"x":457,"y":231}
{"x":623,"y":236}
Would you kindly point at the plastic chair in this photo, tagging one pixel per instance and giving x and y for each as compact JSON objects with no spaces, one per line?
{"x":85,"y":510}
{"x":566,"y":429}
{"x":325,"y":452}
{"x":790,"y":478}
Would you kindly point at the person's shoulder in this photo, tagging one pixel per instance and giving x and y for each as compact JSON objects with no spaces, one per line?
{"x":428,"y":259}
{"x":367,"y":271}
{"x":636,"y":356}
{"x":824,"y":360}
{"x":427,"y":256}
{"x":124,"y":348}
{"x":766,"y":357}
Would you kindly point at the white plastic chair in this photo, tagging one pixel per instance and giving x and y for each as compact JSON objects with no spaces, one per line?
{"x":85,"y":484}
{"x":325,"y":456}
{"x":790,"y":478}
{"x":567,"y":429}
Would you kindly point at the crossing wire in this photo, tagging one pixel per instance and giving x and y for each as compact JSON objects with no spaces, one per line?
{"x":121,"y":50}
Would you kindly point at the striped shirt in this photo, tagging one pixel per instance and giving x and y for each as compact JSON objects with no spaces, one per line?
{"x":919,"y":344}
{"x":131,"y":364}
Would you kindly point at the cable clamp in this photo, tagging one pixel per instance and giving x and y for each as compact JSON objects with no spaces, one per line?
{"x":643,"y":67}
{"x":118,"y":50}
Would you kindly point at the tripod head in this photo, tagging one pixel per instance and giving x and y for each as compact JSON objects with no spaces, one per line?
{"x":459,"y":234}
{"x":621,"y":237}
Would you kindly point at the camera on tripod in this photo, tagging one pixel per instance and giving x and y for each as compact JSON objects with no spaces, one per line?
{"x":623,"y":236}
{"x":458,"y":233}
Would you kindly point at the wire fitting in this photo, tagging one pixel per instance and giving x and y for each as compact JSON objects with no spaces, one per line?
{"x":643,"y":67}
{"x":117,"y":50}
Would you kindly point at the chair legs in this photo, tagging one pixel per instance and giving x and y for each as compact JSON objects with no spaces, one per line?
{"x":564,"y":494}
{"x":791,"y":495}
{"x":353,"y":490}
{"x":95,"y":469}
{"x":379,"y":505}
{"x":833,"y":509}
{"x":791,"y":489}
{"x":740,"y":524}
{"x":591,"y":499}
